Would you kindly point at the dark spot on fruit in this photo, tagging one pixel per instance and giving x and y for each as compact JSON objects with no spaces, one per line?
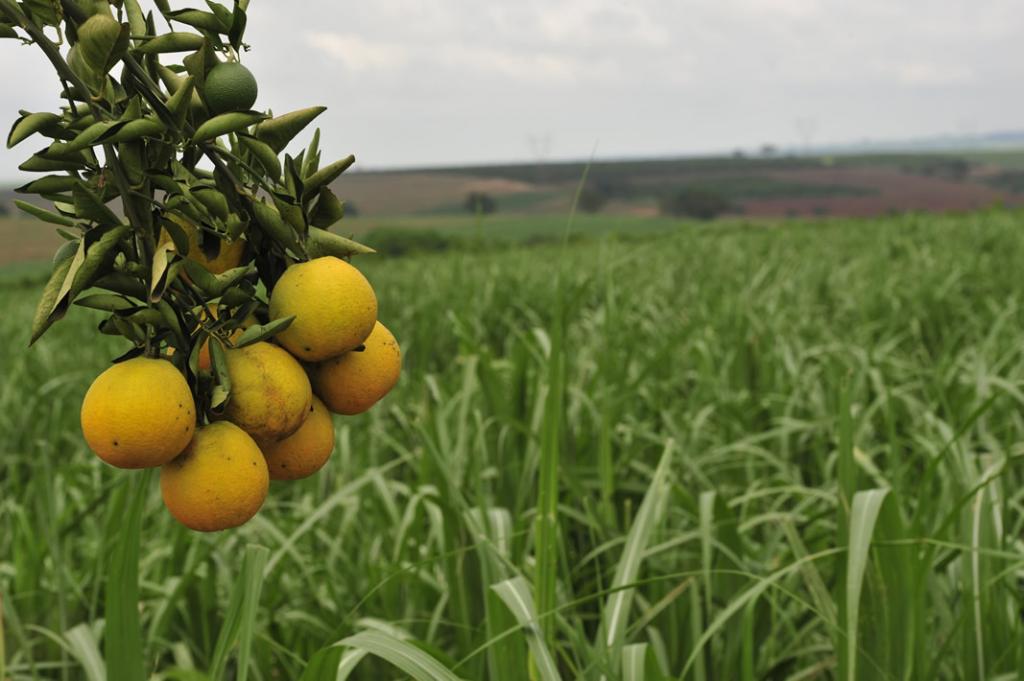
{"x":253,"y":463}
{"x":308,"y":349}
{"x":180,"y":405}
{"x":115,"y":443}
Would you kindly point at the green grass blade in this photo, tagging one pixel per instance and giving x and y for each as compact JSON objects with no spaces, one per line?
{"x":634,"y":662}
{"x":122,"y":638}
{"x":82,"y":644}
{"x":863,"y":515}
{"x":349,"y":661}
{"x":515,"y":594}
{"x":402,"y":654}
{"x":547,"y":542}
{"x":648,"y":517}
{"x":240,"y":619}
{"x":3,"y":651}
{"x":324,"y":665}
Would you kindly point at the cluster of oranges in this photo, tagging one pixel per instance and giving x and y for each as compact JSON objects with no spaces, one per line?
{"x":335,"y":356}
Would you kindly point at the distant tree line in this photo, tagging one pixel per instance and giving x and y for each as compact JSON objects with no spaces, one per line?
{"x":480,"y":203}
{"x":694,"y":202}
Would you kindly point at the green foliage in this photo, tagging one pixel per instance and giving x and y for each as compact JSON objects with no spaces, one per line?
{"x":480,"y":203}
{"x":592,"y":199}
{"x":143,"y":131}
{"x":396,"y":241}
{"x":694,"y":202}
{"x":841,"y":497}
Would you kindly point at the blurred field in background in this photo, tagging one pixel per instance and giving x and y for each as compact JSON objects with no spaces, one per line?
{"x":776,"y":371}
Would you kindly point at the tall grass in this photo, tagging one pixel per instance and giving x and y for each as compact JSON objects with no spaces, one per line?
{"x":773,"y":452}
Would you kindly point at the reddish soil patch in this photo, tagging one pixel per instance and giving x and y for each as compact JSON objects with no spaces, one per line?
{"x":894,"y":191}
{"x":26,"y":239}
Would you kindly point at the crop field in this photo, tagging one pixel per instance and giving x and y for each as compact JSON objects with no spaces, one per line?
{"x":786,"y":451}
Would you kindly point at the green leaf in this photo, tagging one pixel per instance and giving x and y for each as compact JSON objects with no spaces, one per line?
{"x":122,"y":283}
{"x":136,"y":18}
{"x":195,"y":18}
{"x":280,"y":130}
{"x":163,"y":271}
{"x":80,"y":272}
{"x":213,"y":201}
{"x":263,"y":154}
{"x":274,"y":227}
{"x":238,"y":21}
{"x":133,"y":130}
{"x":50,"y":184}
{"x":223,"y":14}
{"x":102,"y":41}
{"x":29,"y":124}
{"x":88,"y":137}
{"x":44,"y":12}
{"x":7,"y":31}
{"x":221,"y":392}
{"x":81,"y":643}
{"x":329,"y":210}
{"x":311,"y":161}
{"x":262,"y":332}
{"x":172,"y":42}
{"x":89,"y":206}
{"x":240,"y":619}
{"x":40,"y":164}
{"x":108,"y":302}
{"x":325,"y":176}
{"x":515,"y":594}
{"x":320,"y":242}
{"x":863,"y":515}
{"x":41,"y":321}
{"x":226,"y":123}
{"x":182,"y":100}
{"x":44,"y":215}
{"x":323,"y":666}
{"x":648,"y":517}
{"x":122,"y":637}
{"x":290,"y":211}
{"x":402,"y":654}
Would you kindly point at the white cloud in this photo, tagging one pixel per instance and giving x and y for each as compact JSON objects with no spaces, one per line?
{"x":928,"y":73}
{"x":357,"y":53}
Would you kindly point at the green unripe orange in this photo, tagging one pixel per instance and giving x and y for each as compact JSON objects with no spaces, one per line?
{"x":229,"y":87}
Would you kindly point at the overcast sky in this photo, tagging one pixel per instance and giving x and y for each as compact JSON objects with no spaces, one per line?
{"x":437,"y":82}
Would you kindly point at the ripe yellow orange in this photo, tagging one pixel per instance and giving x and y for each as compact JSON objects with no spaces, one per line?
{"x":270,"y":392}
{"x":219,"y":481}
{"x":138,"y":413}
{"x":334,"y":307}
{"x":228,"y":257}
{"x":306,"y":450}
{"x":354,"y":382}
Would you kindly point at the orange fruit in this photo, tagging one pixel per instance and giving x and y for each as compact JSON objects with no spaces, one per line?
{"x":219,"y":481}
{"x":333,"y":304}
{"x":138,"y":413}
{"x":354,"y":382}
{"x":306,"y":450}
{"x":270,"y":392}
